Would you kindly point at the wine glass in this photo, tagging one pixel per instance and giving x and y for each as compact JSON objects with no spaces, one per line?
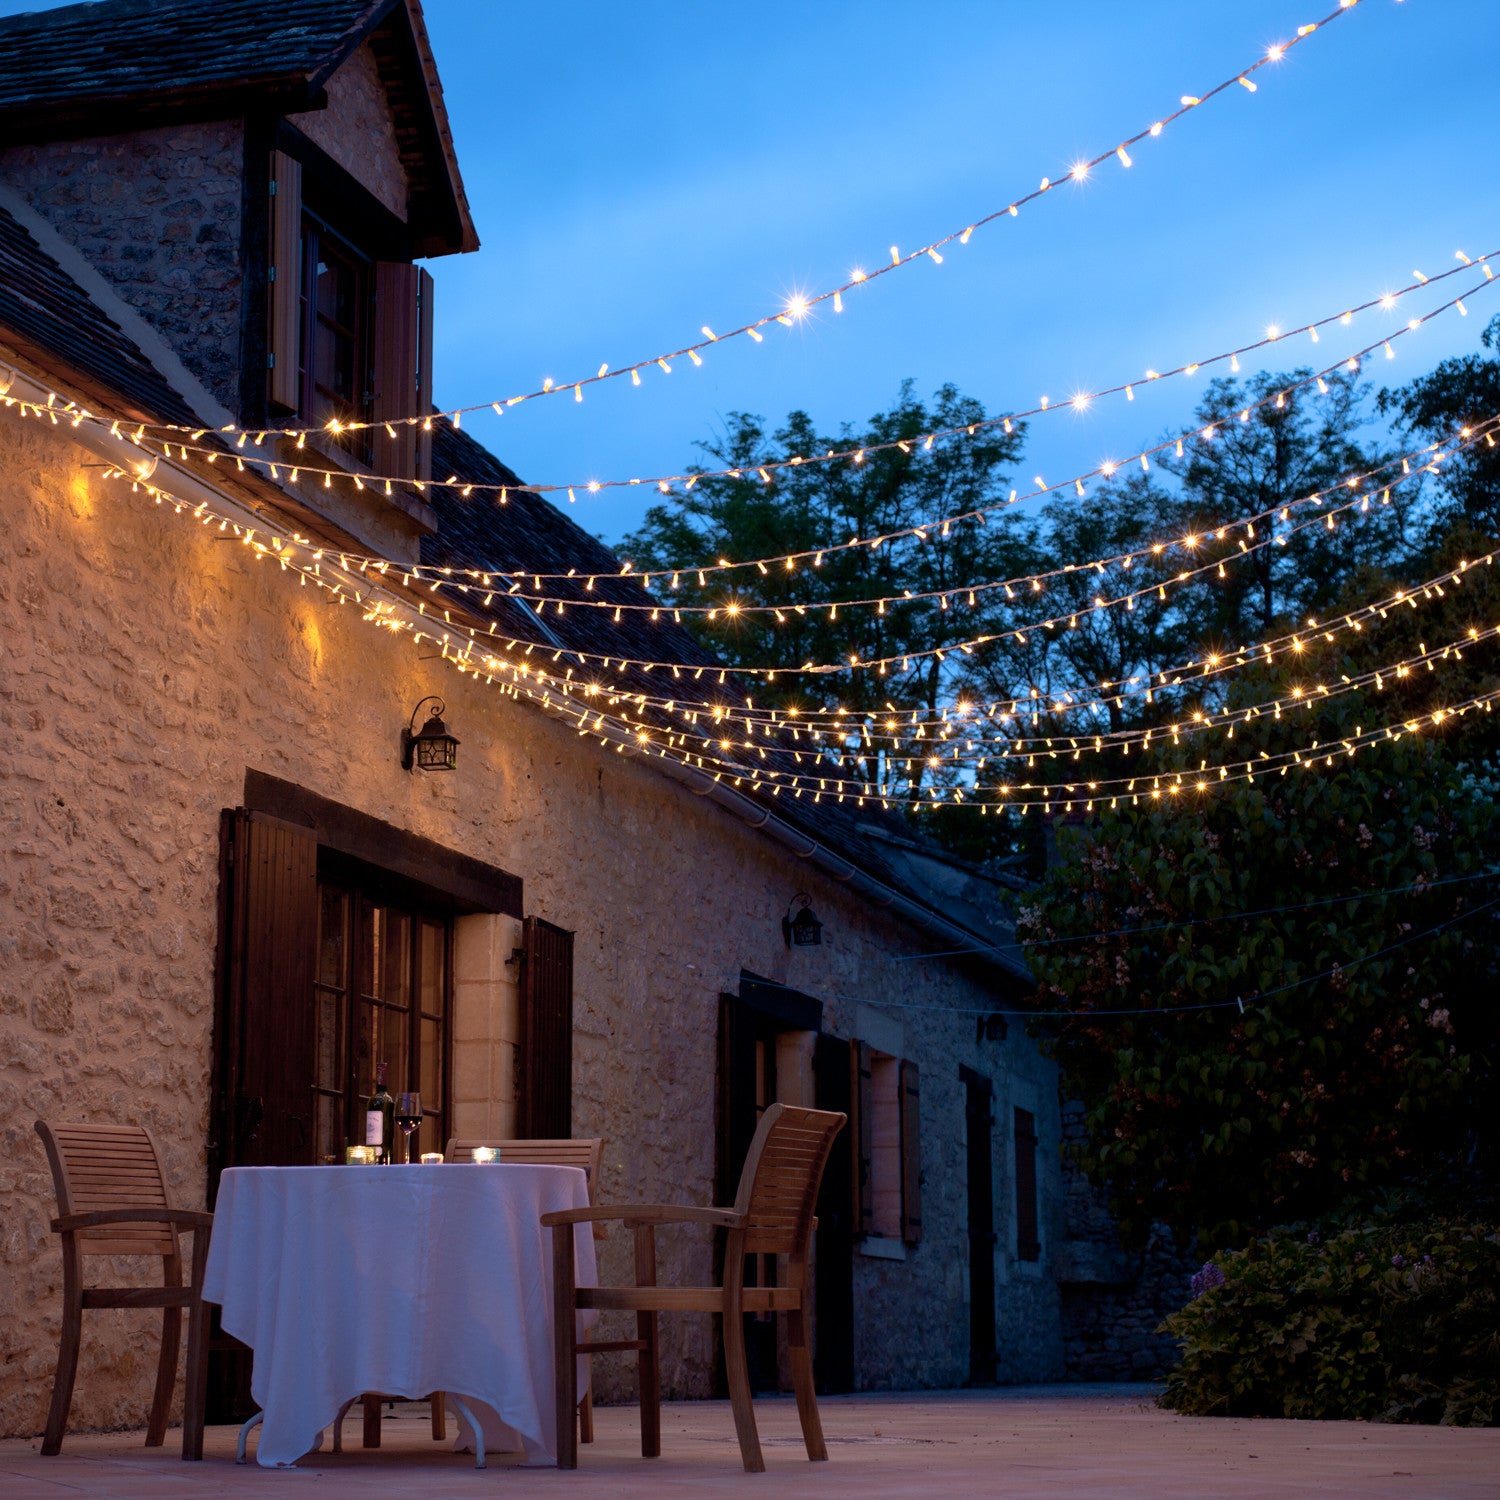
{"x":408,"y":1117}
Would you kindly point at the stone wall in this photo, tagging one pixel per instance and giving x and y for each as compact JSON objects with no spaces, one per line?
{"x":356,"y":130}
{"x":144,"y":665}
{"x":1113,"y":1301}
{"x":158,"y":213}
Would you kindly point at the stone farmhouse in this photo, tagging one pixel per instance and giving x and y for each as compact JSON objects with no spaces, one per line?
{"x":223,"y":896}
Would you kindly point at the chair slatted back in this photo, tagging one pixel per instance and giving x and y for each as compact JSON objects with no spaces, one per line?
{"x":96,"y":1167}
{"x":778,"y":1190}
{"x":584,"y":1153}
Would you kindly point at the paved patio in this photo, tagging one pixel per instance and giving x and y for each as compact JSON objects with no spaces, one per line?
{"x":1019,"y":1442}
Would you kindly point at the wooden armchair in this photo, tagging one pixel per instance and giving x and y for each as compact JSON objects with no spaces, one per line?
{"x":772,"y":1215}
{"x":112,"y":1199}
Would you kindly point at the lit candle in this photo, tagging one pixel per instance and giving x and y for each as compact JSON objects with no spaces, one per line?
{"x":358,"y":1156}
{"x":432,"y":1158}
{"x":483,"y":1155}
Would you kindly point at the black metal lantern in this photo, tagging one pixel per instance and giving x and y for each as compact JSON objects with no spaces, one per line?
{"x":430,"y":748}
{"x":803,"y":930}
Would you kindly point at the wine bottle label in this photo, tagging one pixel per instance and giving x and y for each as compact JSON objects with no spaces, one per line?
{"x":374,"y":1128}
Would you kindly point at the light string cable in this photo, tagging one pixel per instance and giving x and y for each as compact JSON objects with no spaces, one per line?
{"x":1152,"y":787}
{"x":296,"y":470}
{"x":1419,"y":886}
{"x":799,"y":307}
{"x":965,"y":716}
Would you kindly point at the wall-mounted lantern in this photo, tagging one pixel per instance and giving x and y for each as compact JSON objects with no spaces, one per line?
{"x":803,"y":930}
{"x":992,"y":1028}
{"x":430,"y":748}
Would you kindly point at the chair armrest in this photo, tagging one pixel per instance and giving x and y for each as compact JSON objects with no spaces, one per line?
{"x":644,"y":1213}
{"x":180,"y":1218}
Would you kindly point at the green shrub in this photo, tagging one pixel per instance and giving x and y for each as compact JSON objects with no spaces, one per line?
{"x":1387,"y":1322}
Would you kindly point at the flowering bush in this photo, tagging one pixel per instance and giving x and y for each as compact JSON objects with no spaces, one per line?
{"x":1396,"y":1323}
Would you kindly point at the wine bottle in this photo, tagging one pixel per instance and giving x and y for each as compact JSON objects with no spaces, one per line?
{"x":380,"y":1118}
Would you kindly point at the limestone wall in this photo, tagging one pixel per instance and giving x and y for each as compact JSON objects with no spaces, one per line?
{"x":145,"y":663}
{"x":356,"y":130}
{"x":158,"y":213}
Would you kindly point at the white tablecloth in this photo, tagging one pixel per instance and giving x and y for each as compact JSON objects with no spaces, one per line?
{"x":403,"y":1280}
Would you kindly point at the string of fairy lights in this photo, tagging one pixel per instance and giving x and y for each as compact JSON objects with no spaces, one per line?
{"x":844,"y":760}
{"x":1359,"y":495}
{"x":294,"y":471}
{"x":800,"y":307}
{"x":619,"y":730}
{"x":301,"y":553}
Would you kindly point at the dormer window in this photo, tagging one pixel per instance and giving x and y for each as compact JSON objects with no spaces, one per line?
{"x":349,"y":337}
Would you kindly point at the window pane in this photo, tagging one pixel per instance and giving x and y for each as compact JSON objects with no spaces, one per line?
{"x":432,"y":1065}
{"x":434,"y":962}
{"x":330,"y":1041}
{"x":332,"y":903}
{"x":328,"y":1129}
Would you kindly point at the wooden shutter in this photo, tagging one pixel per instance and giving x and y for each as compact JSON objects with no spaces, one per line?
{"x":1028,"y":1244}
{"x":397,"y":327}
{"x":284,"y":283}
{"x":864,"y":1135}
{"x":546,"y":1102}
{"x":911,"y":1156}
{"x":263,"y":1039}
{"x":424,"y":374}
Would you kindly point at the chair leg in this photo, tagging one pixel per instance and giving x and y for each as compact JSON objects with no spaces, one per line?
{"x":802,"y":1383}
{"x":586,"y":1417}
{"x":67,"y":1366}
{"x":195,"y":1381}
{"x":738,"y":1372}
{"x":439,"y":1417}
{"x":564,"y":1345}
{"x":166,"y":1376}
{"x":648,"y":1362}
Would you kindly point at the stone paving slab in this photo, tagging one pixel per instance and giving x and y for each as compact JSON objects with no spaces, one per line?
{"x":1050,"y":1442}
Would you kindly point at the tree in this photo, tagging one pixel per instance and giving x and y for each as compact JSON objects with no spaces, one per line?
{"x":818,"y":609}
{"x":1459,"y":393}
{"x":1348,"y":1033}
{"x":1302,"y":441}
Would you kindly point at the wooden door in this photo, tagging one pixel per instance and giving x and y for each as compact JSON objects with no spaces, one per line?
{"x":979,"y":1119}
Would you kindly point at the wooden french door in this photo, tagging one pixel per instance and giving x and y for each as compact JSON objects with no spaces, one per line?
{"x":325,"y":968}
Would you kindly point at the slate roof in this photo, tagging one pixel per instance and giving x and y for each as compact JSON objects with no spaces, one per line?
{"x":113,"y":65}
{"x":43,"y":310}
{"x":121,"y":49}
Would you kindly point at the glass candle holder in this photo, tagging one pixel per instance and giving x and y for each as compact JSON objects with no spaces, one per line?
{"x":484,"y":1155}
{"x":432,"y":1158}
{"x":358,"y":1156}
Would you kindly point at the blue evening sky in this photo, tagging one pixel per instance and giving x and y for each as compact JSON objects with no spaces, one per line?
{"x":639,"y":170}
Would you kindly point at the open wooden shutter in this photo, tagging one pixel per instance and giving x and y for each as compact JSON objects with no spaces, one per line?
{"x":424,"y":374}
{"x":546,"y":1094}
{"x":397,"y":328}
{"x":1028,"y":1243}
{"x":284,"y":283}
{"x":864,"y":1135}
{"x":264,"y":1028}
{"x":911,"y":1156}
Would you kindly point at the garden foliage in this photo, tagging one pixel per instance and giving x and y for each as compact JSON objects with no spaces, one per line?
{"x":1394,"y":1322}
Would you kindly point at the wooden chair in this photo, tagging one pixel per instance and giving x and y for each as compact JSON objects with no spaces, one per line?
{"x":587,"y":1154}
{"x":112,"y":1199}
{"x":772,"y":1215}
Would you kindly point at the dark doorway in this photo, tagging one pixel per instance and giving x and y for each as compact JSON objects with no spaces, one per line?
{"x":979,"y":1120}
{"x":749,"y":1025}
